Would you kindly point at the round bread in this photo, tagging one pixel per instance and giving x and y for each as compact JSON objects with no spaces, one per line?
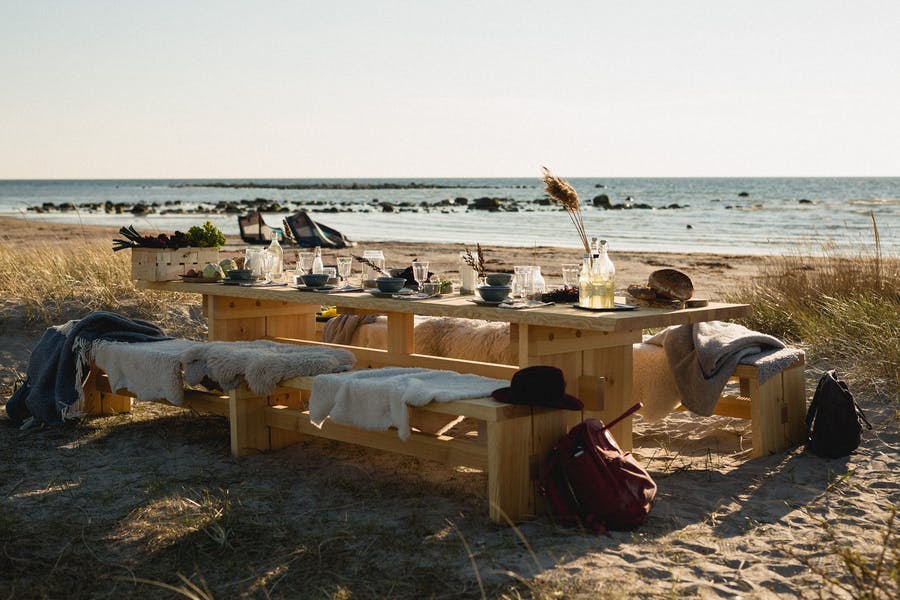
{"x":644,"y":292}
{"x":670,"y":283}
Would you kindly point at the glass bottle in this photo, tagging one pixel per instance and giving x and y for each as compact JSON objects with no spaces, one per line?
{"x":275,"y":262}
{"x":317,"y":266}
{"x":538,"y":285}
{"x":603,"y":279}
{"x":585,"y":290}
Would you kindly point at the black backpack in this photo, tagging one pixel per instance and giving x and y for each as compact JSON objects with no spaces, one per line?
{"x":833,"y":424}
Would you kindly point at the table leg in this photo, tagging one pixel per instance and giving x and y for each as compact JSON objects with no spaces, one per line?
{"x":233,"y":319}
{"x":517,"y":450}
{"x":597,"y":367}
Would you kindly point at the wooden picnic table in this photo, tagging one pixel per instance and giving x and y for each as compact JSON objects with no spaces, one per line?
{"x":593,"y":349}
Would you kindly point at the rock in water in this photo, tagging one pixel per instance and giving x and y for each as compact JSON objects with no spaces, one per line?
{"x":669,"y":283}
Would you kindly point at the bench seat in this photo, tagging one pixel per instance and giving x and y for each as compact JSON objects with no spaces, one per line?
{"x":508,"y":441}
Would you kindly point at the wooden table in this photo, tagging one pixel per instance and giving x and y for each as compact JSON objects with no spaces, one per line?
{"x":593,"y":349}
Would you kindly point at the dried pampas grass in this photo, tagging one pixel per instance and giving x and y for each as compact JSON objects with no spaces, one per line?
{"x":564,"y":194}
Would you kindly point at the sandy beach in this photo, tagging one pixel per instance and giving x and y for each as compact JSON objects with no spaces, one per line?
{"x":146,"y":496}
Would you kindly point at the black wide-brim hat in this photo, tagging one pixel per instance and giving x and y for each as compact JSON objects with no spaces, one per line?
{"x":540,"y":385}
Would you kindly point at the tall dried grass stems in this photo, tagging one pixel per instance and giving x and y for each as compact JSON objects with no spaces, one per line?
{"x":53,"y":283}
{"x":563,"y":193}
{"x":842,"y":306}
{"x":476,"y":261}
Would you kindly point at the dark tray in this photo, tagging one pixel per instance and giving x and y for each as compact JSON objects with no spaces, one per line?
{"x":617,"y":307}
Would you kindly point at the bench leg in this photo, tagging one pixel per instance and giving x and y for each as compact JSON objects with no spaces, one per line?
{"x":513,"y":470}
{"x":100,"y":401}
{"x":246,"y":418}
{"x":777,"y":411}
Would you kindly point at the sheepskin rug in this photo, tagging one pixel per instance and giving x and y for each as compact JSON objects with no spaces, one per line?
{"x":451,"y":337}
{"x":261,"y":363}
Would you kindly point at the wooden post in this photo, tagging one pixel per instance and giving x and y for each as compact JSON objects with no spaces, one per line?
{"x":246,"y":417}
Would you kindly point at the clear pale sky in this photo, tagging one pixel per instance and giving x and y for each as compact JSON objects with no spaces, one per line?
{"x":134,"y":89}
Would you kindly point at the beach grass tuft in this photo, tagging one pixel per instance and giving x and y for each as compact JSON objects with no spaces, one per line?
{"x":52,"y":284}
{"x":842,"y":308}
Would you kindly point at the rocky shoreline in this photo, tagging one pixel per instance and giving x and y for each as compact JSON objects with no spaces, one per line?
{"x":267,"y":205}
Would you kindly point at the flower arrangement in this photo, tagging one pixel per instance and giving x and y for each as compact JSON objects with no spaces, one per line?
{"x":564,"y":194}
{"x":476,"y":261}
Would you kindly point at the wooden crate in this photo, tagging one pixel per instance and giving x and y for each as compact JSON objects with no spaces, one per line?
{"x":162,"y":264}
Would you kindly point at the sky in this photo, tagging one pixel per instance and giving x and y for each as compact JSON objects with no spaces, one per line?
{"x":434,"y":88}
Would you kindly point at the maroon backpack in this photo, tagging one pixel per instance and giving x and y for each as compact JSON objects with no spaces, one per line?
{"x":588,"y":480}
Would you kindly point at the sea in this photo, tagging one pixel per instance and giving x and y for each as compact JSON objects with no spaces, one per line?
{"x":755,"y":216}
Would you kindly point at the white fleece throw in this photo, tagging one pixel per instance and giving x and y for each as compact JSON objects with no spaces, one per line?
{"x":150,"y":370}
{"x":261,"y":363}
{"x":377,"y":399}
{"x":153,"y":370}
{"x":703,"y":356}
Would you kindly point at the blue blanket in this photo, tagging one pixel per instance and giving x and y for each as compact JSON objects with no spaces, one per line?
{"x":62,"y":354}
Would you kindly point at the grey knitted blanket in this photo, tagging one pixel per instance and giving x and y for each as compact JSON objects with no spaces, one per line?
{"x":59,"y":364}
{"x":703,"y":356}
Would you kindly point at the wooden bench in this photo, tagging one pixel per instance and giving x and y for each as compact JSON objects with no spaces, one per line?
{"x":508,"y":441}
{"x":776,"y":409}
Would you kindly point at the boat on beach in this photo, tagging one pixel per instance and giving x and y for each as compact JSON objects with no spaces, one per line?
{"x":306,"y":232}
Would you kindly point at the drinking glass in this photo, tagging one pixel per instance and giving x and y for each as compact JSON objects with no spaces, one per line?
{"x":344,"y":268}
{"x":253,"y":258}
{"x":304,"y":262}
{"x":420,"y":271}
{"x":522,"y":281}
{"x":570,"y":273}
{"x":269,"y":262}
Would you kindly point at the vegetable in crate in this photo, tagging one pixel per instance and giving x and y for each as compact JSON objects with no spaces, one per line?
{"x":135,"y":240}
{"x":208,"y":236}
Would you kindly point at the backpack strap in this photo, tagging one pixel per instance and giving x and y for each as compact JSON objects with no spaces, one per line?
{"x":861,"y":415}
{"x":814,"y":405}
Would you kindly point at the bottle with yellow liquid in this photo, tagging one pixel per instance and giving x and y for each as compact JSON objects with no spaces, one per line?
{"x":603,"y":278}
{"x":584,"y":281}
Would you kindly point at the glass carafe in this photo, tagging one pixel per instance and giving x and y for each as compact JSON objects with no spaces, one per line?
{"x":603,"y":279}
{"x":317,"y":266}
{"x":538,"y":285}
{"x":275,"y":264}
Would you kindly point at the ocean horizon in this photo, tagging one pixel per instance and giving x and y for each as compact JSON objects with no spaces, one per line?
{"x":731,"y":215}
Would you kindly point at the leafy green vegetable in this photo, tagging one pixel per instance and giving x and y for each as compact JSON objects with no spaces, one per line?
{"x":208,"y":236}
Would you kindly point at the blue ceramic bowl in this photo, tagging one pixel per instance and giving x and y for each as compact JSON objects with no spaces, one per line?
{"x":390,"y":284}
{"x":494,"y":293}
{"x":498,"y":279}
{"x":314,"y":279}
{"x":240,"y":274}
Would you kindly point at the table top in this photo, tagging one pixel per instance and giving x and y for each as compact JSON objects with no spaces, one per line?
{"x":454,"y":305}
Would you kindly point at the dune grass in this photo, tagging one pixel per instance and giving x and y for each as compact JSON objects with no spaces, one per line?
{"x":842,"y":308}
{"x":52,"y":284}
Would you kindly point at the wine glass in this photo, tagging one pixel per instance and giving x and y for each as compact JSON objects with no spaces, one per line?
{"x":344,"y":268}
{"x":420,"y":272}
